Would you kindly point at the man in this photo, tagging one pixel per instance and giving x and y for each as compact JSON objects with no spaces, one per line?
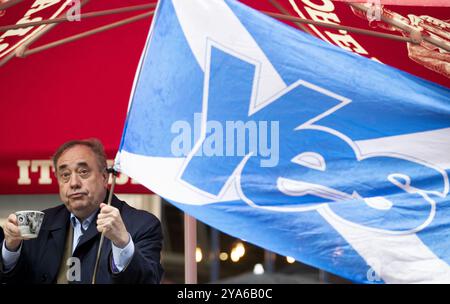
{"x":66,"y":248}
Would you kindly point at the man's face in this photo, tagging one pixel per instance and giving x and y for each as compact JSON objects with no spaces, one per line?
{"x":82,"y":187}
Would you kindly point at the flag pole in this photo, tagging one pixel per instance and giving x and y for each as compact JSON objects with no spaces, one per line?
{"x":190,"y":242}
{"x":111,"y":193}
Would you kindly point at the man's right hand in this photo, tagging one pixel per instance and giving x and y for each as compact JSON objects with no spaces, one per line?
{"x":12,"y":233}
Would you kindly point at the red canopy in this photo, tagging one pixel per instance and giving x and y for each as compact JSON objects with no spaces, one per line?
{"x":74,"y":91}
{"x":81,"y":89}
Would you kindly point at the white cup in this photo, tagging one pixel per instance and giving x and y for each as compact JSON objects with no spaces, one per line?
{"x":29,"y":222}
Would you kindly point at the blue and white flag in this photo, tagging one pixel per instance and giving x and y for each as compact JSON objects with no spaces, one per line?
{"x":278,"y":138}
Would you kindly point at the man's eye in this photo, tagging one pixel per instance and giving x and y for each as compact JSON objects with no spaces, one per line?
{"x":83,"y":172}
{"x":64,"y":175}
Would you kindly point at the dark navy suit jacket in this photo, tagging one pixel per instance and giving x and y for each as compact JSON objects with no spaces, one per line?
{"x":40,"y":258}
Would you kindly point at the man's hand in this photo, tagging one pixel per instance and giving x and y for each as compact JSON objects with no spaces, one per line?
{"x":12,"y":233}
{"x":110,"y":222}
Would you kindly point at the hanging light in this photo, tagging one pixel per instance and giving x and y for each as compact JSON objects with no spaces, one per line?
{"x":237,"y":252}
{"x":258,"y":269}
{"x":240,"y":249}
{"x":198,"y":254}
{"x":223,"y":256}
{"x":290,"y":260}
{"x":234,"y":255}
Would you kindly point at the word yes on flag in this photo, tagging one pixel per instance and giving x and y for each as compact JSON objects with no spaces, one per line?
{"x":292,"y":144}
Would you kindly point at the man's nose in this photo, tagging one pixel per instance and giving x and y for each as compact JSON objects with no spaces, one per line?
{"x":75,"y":181}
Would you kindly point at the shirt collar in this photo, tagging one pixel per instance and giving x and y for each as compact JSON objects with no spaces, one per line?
{"x":75,"y":222}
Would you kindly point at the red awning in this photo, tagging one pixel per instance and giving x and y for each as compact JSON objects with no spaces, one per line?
{"x":74,"y":91}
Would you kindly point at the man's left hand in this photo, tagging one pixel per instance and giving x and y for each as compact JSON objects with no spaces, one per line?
{"x":110,"y":222}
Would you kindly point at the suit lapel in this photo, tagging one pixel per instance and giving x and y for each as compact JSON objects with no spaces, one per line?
{"x":56,"y":229}
{"x":115,"y":202}
{"x":90,"y":234}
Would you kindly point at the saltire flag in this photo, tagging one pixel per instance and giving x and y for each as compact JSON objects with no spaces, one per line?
{"x":290,"y":143}
{"x":403,"y":2}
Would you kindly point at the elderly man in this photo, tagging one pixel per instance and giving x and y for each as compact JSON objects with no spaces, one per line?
{"x":66,"y":248}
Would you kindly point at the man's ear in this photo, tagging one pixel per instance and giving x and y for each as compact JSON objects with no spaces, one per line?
{"x":105,"y":178}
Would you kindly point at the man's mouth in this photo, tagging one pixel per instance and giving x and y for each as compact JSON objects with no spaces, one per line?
{"x":77,"y":195}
